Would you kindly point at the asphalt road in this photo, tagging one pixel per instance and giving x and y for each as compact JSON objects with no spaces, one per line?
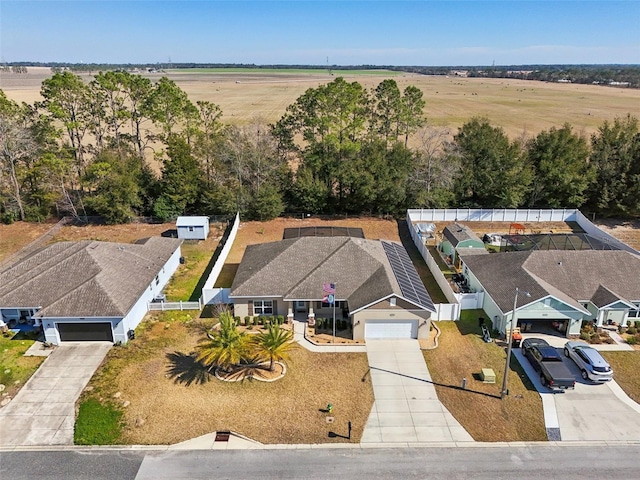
{"x":615,"y":462}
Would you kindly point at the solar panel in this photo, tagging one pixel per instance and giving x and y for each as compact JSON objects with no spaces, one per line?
{"x":410,"y":283}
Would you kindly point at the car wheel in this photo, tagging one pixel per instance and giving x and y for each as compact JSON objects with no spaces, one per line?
{"x":584,"y":375}
{"x":566,"y":353}
{"x":543,"y":380}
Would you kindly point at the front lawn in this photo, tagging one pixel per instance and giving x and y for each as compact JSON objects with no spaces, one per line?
{"x":626,"y":371}
{"x":15,"y":368}
{"x":173,"y":399}
{"x":462,"y":354}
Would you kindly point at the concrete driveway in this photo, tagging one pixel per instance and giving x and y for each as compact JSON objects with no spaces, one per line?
{"x":406,"y":407}
{"x":589,"y":412}
{"x":43,"y":411}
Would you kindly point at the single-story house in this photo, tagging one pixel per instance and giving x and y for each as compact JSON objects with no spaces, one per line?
{"x":457,"y":239}
{"x":193,"y":228}
{"x":87,"y":290}
{"x":566,"y":288}
{"x":377,"y":288}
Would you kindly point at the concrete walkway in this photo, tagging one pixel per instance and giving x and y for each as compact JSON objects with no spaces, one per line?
{"x":406,"y":407}
{"x":43,"y":411}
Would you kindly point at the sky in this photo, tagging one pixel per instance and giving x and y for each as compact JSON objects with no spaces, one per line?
{"x":429,"y":33}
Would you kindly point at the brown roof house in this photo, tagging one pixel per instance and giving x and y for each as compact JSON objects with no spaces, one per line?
{"x":458,"y":240}
{"x":87,"y":290}
{"x":377,"y":289}
{"x":565,"y":287}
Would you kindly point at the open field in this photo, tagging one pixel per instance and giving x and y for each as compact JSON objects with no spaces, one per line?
{"x":462,"y":354}
{"x":18,"y":235}
{"x":516,"y":105}
{"x":281,"y":72}
{"x":166,"y":389}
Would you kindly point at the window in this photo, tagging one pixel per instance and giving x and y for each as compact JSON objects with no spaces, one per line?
{"x":329,"y":305}
{"x":392,"y":301}
{"x":635,"y":313}
{"x":263,"y":307}
{"x":157,"y":279}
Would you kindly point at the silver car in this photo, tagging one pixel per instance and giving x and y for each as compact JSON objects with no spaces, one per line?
{"x":591,"y":364}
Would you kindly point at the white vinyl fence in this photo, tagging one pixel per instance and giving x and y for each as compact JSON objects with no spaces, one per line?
{"x":212,"y":295}
{"x":162,"y":306}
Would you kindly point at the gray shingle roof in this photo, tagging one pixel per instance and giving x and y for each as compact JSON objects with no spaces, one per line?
{"x":571,"y":276}
{"x":296,"y":269}
{"x":85,"y":279}
{"x":457,"y":233}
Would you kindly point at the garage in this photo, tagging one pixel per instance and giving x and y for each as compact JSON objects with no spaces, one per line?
{"x":547,"y":326}
{"x":85,"y":332}
{"x":391,"y":329}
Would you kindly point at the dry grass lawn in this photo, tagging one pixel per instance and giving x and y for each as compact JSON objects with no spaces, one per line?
{"x":627,"y":231}
{"x":516,"y":105}
{"x":462,"y":354}
{"x":125,"y":233}
{"x":172,"y":400}
{"x":626,"y":368}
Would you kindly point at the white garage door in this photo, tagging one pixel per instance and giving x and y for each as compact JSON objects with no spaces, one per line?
{"x":391,"y":329}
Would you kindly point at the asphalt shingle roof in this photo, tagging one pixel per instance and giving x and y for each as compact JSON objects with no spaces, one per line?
{"x":296,"y":269}
{"x":571,"y":276}
{"x":457,"y":233}
{"x":85,"y":279}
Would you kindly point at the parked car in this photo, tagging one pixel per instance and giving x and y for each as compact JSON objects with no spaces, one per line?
{"x":548,"y":363}
{"x":591,"y":364}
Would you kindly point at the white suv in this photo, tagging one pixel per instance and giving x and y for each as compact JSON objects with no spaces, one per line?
{"x":591,"y":364}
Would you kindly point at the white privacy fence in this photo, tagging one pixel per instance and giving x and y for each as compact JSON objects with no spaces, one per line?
{"x":492,"y":215}
{"x":212,"y":295}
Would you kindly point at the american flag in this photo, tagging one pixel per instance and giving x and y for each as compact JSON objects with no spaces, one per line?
{"x":329,"y":290}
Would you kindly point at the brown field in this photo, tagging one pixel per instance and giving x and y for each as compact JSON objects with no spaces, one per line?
{"x":18,"y":235}
{"x":518,"y":106}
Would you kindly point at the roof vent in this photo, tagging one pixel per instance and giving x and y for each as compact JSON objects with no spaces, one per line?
{"x":559,"y":264}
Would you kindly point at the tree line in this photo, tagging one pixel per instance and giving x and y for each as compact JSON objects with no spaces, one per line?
{"x":88,"y":149}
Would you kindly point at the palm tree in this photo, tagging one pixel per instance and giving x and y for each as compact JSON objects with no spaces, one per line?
{"x":224,"y":348}
{"x":274,"y":344}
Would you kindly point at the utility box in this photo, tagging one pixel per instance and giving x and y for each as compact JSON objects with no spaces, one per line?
{"x":487,"y":375}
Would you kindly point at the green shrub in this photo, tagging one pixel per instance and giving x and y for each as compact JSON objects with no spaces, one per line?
{"x":247,"y":320}
{"x":632,"y":340}
{"x":585,"y":336}
{"x":632,"y":330}
{"x":237,"y":320}
{"x":98,"y":424}
{"x":280,"y":319}
{"x":637,"y":325}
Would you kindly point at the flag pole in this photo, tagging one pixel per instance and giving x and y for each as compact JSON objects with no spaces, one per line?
{"x":334,"y":315}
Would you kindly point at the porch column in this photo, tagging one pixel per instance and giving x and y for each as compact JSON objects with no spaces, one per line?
{"x":625,"y":318}
{"x":311,"y":316}
{"x":600,"y":318}
{"x":290,"y":311}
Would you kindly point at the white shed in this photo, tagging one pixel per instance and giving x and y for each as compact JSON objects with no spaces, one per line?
{"x":193,"y":228}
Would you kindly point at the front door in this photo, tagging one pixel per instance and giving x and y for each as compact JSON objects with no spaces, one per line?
{"x":301,"y":306}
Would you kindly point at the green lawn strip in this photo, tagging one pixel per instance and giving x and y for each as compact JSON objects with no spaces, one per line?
{"x":626,"y":371}
{"x":462,"y":354}
{"x":15,"y":368}
{"x":98,"y":423}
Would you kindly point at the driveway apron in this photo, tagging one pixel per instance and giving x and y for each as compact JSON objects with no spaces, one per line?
{"x":43,"y":411}
{"x":406,"y":407}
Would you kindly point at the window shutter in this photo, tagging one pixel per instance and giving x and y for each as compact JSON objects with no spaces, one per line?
{"x":250,"y":309}
{"x":275,"y":307}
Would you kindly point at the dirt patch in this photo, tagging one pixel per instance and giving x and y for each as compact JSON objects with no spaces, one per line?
{"x":125,"y":233}
{"x":627,"y":231}
{"x":251,"y":233}
{"x":18,"y":235}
